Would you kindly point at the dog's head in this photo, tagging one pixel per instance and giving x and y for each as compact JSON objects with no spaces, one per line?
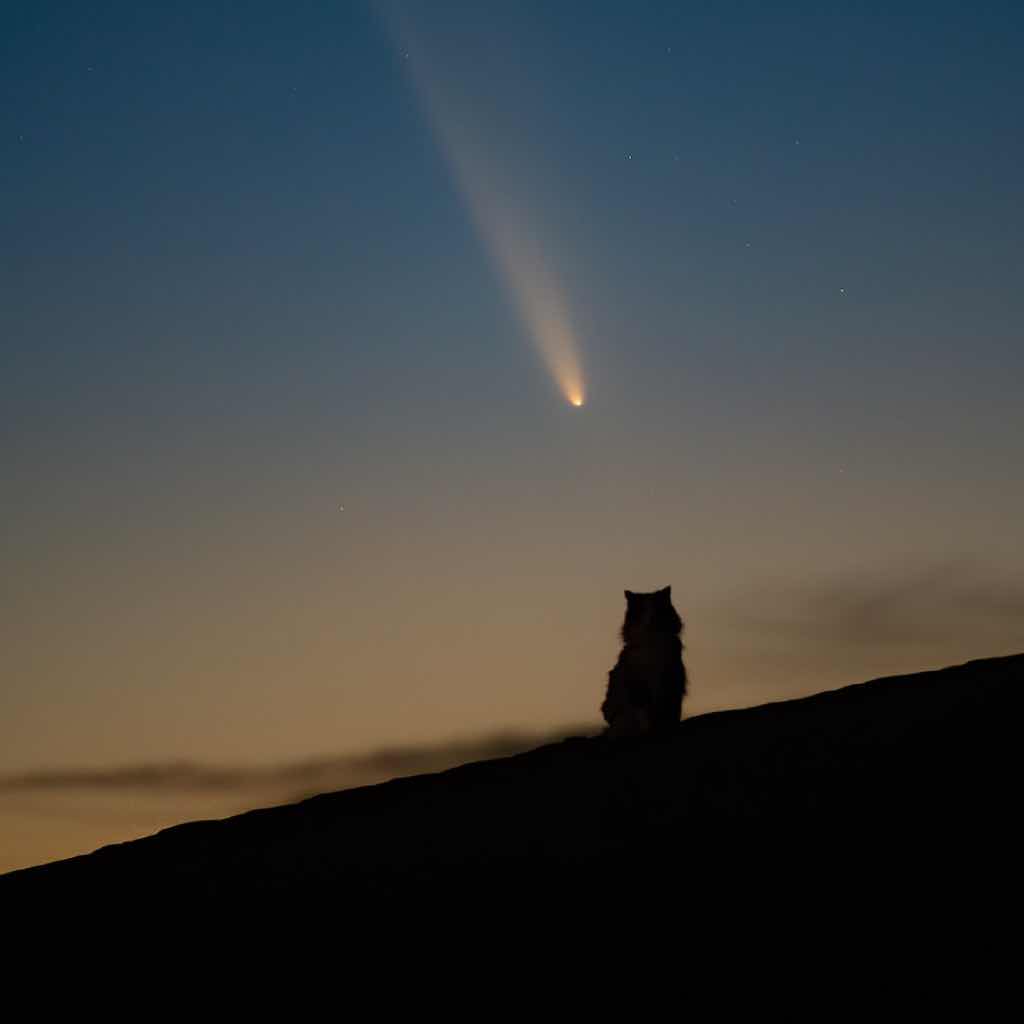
{"x":650,"y":613}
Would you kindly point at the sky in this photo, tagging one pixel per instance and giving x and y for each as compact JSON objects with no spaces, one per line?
{"x":295,"y":305}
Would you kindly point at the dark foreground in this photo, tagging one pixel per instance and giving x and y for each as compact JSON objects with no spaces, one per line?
{"x":904,"y":779}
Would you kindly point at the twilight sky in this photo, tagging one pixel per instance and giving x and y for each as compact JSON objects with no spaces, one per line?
{"x":261,"y":261}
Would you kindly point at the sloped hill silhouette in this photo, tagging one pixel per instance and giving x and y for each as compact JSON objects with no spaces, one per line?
{"x":920,"y":769}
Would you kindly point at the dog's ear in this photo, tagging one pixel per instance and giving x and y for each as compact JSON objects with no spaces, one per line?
{"x":667,"y":592}
{"x":629,"y":595}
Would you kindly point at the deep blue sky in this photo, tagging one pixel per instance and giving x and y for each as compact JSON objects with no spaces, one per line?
{"x":241,"y":286}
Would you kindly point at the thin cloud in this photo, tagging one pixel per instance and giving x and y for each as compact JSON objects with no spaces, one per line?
{"x":926,"y":607}
{"x":298,"y":778}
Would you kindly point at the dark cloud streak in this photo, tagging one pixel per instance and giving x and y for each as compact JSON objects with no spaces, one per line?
{"x":922,"y":608}
{"x":298,"y":778}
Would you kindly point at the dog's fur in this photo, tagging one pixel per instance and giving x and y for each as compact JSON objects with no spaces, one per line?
{"x":647,"y":685}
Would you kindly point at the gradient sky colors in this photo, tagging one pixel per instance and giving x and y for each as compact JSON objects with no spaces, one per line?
{"x":261,"y":261}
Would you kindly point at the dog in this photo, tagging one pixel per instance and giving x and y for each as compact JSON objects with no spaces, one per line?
{"x":647,"y":685}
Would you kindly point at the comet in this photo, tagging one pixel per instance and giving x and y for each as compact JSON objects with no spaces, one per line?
{"x":503,"y":227}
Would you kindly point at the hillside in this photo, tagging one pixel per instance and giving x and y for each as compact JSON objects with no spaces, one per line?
{"x":922,"y":766}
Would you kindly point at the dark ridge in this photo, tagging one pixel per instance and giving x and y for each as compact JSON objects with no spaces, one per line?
{"x":914,"y":774}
